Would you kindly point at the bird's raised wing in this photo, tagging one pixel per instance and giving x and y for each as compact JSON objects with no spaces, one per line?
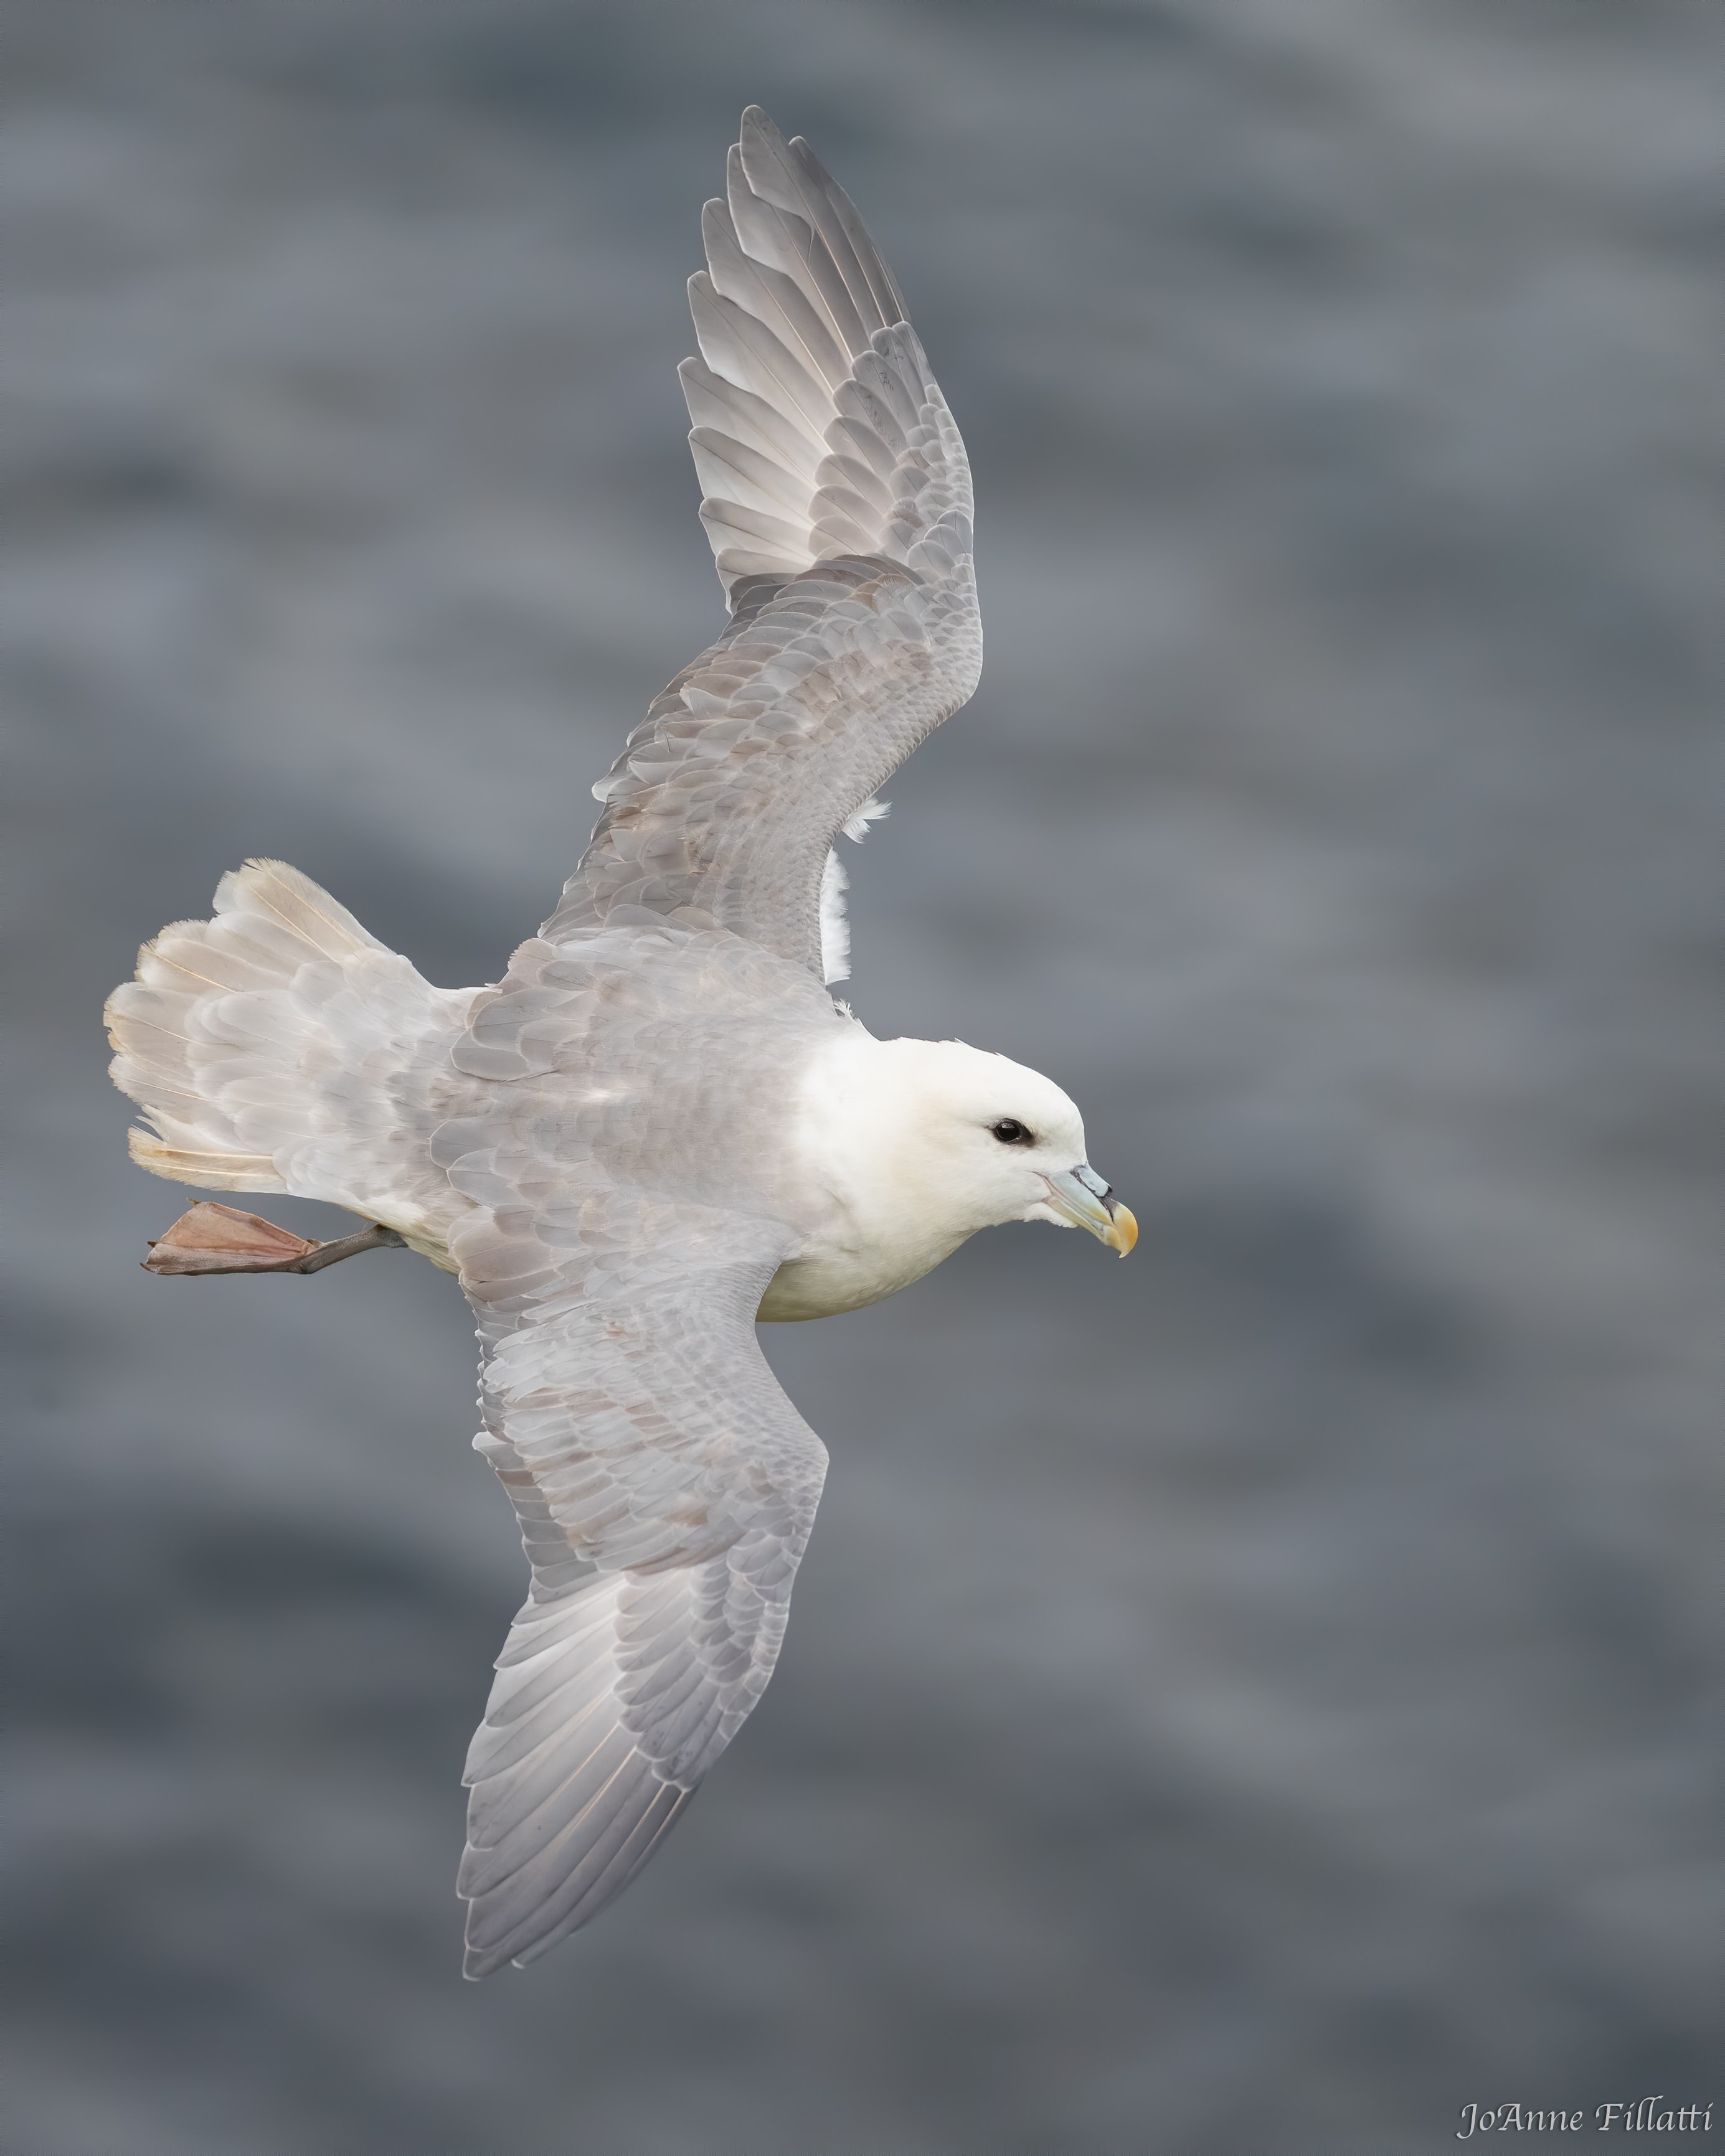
{"x":665,"y":1489}
{"x":838,"y":502}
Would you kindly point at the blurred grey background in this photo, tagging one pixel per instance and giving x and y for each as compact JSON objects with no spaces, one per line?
{"x":1258,"y":1698}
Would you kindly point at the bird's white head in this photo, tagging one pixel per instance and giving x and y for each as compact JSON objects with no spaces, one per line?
{"x":986,"y":1141}
{"x":957,"y":1139}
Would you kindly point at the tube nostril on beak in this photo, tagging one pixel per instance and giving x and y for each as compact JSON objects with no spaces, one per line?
{"x":1080,"y":1196}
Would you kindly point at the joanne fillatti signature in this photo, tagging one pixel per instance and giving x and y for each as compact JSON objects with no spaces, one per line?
{"x":1653,"y":2114}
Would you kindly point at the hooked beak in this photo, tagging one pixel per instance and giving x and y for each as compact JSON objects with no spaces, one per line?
{"x":1080,"y":1195}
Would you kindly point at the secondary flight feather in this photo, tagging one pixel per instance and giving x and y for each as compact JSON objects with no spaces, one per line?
{"x":657,"y":1127}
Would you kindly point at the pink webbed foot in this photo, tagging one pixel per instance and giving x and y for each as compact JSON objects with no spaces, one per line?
{"x":220,"y":1238}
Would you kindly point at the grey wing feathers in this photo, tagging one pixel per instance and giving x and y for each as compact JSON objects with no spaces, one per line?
{"x":557,"y":1830}
{"x":837,"y":499}
{"x":800,"y":401}
{"x":666,"y":1488}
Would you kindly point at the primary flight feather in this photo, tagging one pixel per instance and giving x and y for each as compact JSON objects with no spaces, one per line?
{"x":658,"y":1127}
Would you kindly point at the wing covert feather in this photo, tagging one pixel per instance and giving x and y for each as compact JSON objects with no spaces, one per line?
{"x":665,"y":1489}
{"x":837,"y":498}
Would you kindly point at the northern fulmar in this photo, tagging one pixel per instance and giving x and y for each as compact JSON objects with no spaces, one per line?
{"x":659,"y":1128}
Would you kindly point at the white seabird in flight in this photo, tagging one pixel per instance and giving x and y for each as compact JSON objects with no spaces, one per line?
{"x":658,"y":1126}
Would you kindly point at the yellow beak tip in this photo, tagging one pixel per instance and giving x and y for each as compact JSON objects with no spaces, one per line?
{"x":1124,"y":1233}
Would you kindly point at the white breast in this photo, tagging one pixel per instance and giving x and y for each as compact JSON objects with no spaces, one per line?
{"x":871,"y":1229}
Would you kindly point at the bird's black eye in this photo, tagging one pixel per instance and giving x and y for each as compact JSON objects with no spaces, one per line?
{"x":1011,"y":1131}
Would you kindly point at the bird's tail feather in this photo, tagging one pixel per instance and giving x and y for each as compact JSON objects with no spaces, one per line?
{"x":267,"y":1047}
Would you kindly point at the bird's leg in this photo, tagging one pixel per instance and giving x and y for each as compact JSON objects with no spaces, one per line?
{"x":219,"y":1239}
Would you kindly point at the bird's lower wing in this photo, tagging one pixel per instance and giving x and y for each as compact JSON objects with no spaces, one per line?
{"x":665,"y":1489}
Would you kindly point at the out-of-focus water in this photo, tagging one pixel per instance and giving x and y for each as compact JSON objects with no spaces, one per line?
{"x":1261,"y":1698}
